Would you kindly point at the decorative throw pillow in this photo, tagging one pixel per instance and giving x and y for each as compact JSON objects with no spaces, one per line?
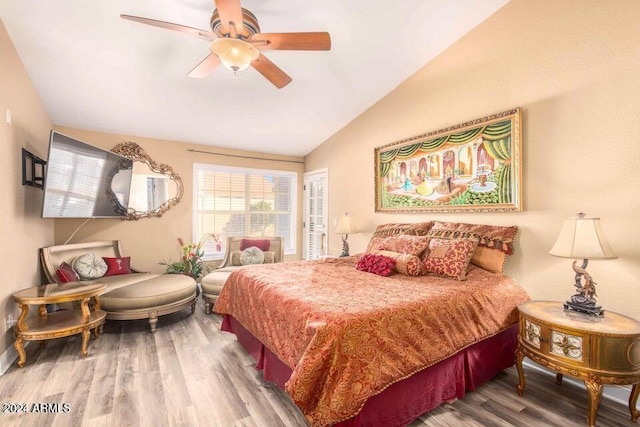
{"x":495,"y":241}
{"x":262,"y":244}
{"x":89,"y":266}
{"x":374,"y":244}
{"x":235,"y":258}
{"x":409,"y":265}
{"x":376,"y":264}
{"x":117,"y":266}
{"x":450,"y":258}
{"x":404,"y":244}
{"x":396,"y":229}
{"x":252,"y":255}
{"x":65,"y":273}
{"x":269,"y":257}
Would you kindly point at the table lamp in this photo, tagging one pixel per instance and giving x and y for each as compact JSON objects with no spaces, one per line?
{"x":346,"y":227}
{"x":582,"y":237}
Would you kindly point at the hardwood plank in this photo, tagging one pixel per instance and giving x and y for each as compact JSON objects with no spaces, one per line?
{"x":189,"y":373}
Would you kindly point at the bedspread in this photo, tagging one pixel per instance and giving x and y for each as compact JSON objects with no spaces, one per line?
{"x":348,"y":334}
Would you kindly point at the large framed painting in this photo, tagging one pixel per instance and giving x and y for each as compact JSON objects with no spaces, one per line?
{"x":474,"y":166}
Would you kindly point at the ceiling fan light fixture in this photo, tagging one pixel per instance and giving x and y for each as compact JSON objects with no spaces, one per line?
{"x":234,"y":54}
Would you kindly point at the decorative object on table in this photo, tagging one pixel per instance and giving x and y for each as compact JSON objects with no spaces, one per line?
{"x":474,"y":166}
{"x":582,"y":237}
{"x":346,"y":227}
{"x":191,"y":262}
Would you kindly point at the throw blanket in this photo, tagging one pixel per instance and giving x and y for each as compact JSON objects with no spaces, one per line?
{"x":348,"y":334}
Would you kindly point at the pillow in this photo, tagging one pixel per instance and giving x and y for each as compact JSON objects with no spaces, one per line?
{"x":495,"y":241}
{"x":251,"y":255}
{"x":235,"y":258}
{"x":89,"y":266}
{"x":65,"y":273}
{"x":269,"y":257}
{"x":376,"y":264}
{"x":408,"y":265}
{"x":450,"y":257}
{"x":117,"y":266}
{"x":262,"y":244}
{"x":404,"y":244}
{"x":396,"y":229}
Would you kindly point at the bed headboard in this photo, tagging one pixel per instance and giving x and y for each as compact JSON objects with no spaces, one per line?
{"x":52,"y":256}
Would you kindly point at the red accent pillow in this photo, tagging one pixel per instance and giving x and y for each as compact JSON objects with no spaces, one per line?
{"x":450,"y":258}
{"x":66,"y":273}
{"x":262,"y":244}
{"x":117,"y":266}
{"x":404,"y":244}
{"x":376,"y":264}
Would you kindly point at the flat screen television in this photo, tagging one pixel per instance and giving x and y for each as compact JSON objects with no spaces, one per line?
{"x":83,"y":181}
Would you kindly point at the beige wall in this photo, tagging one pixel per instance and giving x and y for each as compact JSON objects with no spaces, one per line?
{"x":22,"y":229}
{"x":572,"y":65}
{"x":151,"y":240}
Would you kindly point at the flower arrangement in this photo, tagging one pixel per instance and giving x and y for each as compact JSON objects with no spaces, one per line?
{"x":191,"y":262}
{"x":376,"y":264}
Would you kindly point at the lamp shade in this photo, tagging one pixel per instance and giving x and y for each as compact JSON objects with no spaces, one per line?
{"x":582,"y":238}
{"x":234,"y":54}
{"x":345,"y":225}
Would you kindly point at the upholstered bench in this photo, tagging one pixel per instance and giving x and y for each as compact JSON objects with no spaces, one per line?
{"x":128,"y":296}
{"x":213,"y":282}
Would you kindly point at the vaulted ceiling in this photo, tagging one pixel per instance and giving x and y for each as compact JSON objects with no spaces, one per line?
{"x":94,"y":70}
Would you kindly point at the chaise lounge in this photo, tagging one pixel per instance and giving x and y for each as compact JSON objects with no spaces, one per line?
{"x":213,"y":282}
{"x":137,"y":295}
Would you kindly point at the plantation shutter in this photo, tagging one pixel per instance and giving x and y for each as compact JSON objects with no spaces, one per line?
{"x":243,"y":202}
{"x":315,"y":227}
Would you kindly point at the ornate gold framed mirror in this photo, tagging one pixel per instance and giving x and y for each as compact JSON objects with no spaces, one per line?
{"x":155,"y":188}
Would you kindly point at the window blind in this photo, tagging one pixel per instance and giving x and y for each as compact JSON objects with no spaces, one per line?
{"x":231,"y":201}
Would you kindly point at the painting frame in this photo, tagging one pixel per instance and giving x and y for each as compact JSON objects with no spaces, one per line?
{"x":474,"y":166}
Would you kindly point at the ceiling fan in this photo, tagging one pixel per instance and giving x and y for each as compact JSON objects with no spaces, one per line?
{"x":236,"y":42}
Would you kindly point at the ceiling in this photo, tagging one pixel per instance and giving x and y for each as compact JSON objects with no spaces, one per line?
{"x":94,"y":70}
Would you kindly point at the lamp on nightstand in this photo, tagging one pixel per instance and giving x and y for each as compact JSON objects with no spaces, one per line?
{"x":582,"y":237}
{"x":346,"y":227}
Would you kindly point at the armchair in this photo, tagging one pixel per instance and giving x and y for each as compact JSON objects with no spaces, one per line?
{"x":213,"y":282}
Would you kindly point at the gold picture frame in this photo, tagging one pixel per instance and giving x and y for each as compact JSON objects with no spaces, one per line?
{"x":471,"y":167}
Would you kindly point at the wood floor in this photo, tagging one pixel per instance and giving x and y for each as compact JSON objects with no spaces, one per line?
{"x":191,"y":374}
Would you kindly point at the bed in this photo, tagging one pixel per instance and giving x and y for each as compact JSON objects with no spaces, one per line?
{"x":353,"y":348}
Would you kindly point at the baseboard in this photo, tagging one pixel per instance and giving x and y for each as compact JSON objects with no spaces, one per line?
{"x":616,"y":393}
{"x":9,"y":357}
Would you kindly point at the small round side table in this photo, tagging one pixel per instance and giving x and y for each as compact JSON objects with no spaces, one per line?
{"x":60,"y":323}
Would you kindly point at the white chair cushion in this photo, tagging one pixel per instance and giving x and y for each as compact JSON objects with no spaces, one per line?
{"x":252,"y":255}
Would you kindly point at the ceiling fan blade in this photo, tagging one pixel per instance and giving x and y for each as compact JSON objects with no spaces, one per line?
{"x":230,"y":11}
{"x":292,"y":41}
{"x":271,"y":72}
{"x":205,"y":67}
{"x":203,"y":34}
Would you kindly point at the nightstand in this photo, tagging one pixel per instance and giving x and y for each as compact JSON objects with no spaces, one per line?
{"x":598,"y":350}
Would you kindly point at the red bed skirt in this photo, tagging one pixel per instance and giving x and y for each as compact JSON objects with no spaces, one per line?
{"x":406,"y":400}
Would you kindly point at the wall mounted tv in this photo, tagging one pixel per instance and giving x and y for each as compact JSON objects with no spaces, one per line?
{"x":83,"y":181}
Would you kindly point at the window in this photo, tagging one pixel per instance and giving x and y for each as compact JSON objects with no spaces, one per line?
{"x":230,"y":201}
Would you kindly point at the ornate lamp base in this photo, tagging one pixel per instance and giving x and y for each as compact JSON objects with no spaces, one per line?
{"x":345,"y":246}
{"x":589,"y":308}
{"x":584,"y":301}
